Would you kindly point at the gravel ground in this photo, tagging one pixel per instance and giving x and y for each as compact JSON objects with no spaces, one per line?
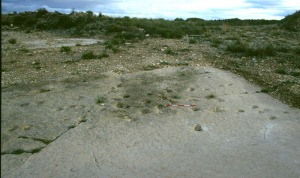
{"x":22,"y":65}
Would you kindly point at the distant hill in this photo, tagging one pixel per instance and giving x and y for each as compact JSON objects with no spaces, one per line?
{"x":291,"y":22}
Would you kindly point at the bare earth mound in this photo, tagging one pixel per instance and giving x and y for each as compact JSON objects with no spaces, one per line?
{"x":118,"y":126}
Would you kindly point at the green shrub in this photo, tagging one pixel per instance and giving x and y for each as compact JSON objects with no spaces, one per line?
{"x":192,"y":41}
{"x":297,"y":50}
{"x":295,"y":74}
{"x":100,"y":99}
{"x":269,"y":50}
{"x":65,"y":49}
{"x":164,"y":63}
{"x":169,"y":51}
{"x":88,"y":55}
{"x":281,"y":71}
{"x":215,"y":42}
{"x":24,"y":50}
{"x":103,"y":55}
{"x":237,"y":47}
{"x":12,"y":41}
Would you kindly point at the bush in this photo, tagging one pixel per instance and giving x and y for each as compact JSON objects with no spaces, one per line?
{"x":237,"y":47}
{"x":291,"y":22}
{"x":65,"y":49}
{"x":192,"y":41}
{"x":269,"y":50}
{"x":12,"y":41}
{"x":169,"y":51}
{"x":88,"y":55}
{"x":281,"y":71}
{"x":216,"y":42}
{"x":297,"y":50}
{"x":103,"y":55}
{"x":100,"y":99}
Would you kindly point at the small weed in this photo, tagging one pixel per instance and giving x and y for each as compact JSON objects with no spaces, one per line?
{"x":100,"y":100}
{"x":148,"y":101}
{"x":196,"y":109}
{"x":83,"y":120}
{"x":269,"y":50}
{"x":36,"y":150}
{"x":210,"y":96}
{"x":146,"y":111}
{"x":164,"y":63}
{"x":65,"y":49}
{"x":36,"y":65}
{"x":12,"y":41}
{"x":237,"y":47}
{"x":150,"y":67}
{"x":5,"y":70}
{"x":103,"y":55}
{"x":265,"y":90}
{"x":71,"y":126}
{"x":295,"y":74}
{"x":42,"y":90}
{"x":169,"y":51}
{"x":78,"y":44}
{"x":281,"y":71}
{"x":185,"y":50}
{"x":28,"y":31}
{"x":126,"y":96}
{"x":169,"y":90}
{"x":88,"y":55}
{"x":176,"y":97}
{"x":216,"y":42}
{"x":18,"y":152}
{"x":160,"y":106}
{"x":192,"y":41}
{"x":45,"y":141}
{"x":24,"y":50}
{"x":108,"y":45}
{"x":115,"y":49}
{"x":122,"y":105}
{"x":297,"y":50}
{"x":184,"y":63}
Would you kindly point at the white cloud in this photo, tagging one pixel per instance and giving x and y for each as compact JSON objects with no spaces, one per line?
{"x":254,"y":13}
{"x":169,"y":9}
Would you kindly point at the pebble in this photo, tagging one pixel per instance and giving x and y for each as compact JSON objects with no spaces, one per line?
{"x":198,"y":127}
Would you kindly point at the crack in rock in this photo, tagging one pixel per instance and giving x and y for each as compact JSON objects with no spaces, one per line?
{"x":45,"y":141}
{"x":96,"y":161}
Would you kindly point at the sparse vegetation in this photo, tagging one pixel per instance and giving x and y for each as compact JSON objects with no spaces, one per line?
{"x":265,"y":52}
{"x":88,"y":55}
{"x":211,"y":96}
{"x":71,"y":126}
{"x":291,"y":22}
{"x":164,"y":63}
{"x":192,"y":41}
{"x":24,"y":50}
{"x":244,"y":49}
{"x":65,"y":49}
{"x":100,"y":99}
{"x":103,"y":55}
{"x":169,"y":51}
{"x":12,"y":41}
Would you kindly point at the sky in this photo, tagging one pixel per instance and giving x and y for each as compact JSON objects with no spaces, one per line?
{"x":167,"y":9}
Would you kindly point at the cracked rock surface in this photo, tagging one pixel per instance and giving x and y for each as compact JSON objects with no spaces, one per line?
{"x":118,"y":126}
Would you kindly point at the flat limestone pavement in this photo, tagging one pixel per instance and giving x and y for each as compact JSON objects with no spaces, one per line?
{"x":119,"y":126}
